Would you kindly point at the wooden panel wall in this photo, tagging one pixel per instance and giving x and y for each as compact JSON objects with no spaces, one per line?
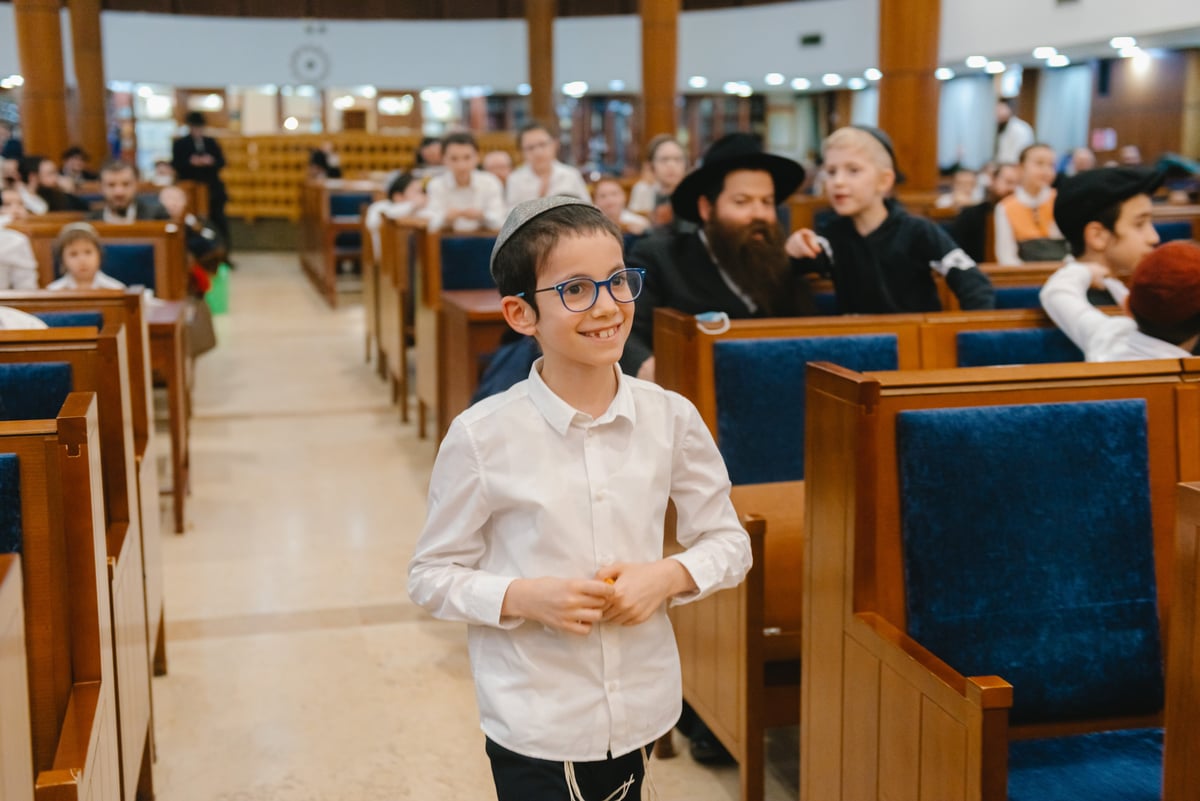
{"x":1144,"y":106}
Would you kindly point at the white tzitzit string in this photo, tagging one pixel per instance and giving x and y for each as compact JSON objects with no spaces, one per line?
{"x":575,"y":794}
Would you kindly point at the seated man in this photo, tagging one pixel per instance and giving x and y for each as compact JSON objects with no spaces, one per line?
{"x":609,"y":197}
{"x":735,"y":262}
{"x":15,"y":176}
{"x":119,"y":185}
{"x":1107,"y":212}
{"x":18,"y":267}
{"x":463,"y":198}
{"x":74,"y":167}
{"x":542,"y":174}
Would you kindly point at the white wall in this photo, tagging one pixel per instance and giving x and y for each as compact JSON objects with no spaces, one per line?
{"x":725,"y":45}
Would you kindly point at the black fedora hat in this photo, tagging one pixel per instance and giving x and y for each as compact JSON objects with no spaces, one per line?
{"x":735,"y":151}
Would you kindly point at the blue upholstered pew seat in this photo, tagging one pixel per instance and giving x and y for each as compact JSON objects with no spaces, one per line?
{"x":1028,"y":554}
{"x":1015,"y":346}
{"x":348,"y":205}
{"x":760,"y":386}
{"x":1171,"y":230}
{"x":34,"y":391}
{"x":1018,"y":297}
{"x":72,"y":319}
{"x":465,"y":262}
{"x":131,"y":263}
{"x":10,"y":503}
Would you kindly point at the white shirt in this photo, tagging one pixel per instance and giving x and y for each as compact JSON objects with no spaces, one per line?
{"x":386,"y":208}
{"x":483,"y":192}
{"x":101,"y":281}
{"x":15,"y":319}
{"x":1017,"y":136}
{"x":18,"y":267}
{"x":1101,"y":337}
{"x":634,"y":223}
{"x":526,"y":486}
{"x":1005,"y":240}
{"x":524,"y":184}
{"x":642,"y":197}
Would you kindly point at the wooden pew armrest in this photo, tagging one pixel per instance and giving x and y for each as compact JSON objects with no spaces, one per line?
{"x":77,"y":743}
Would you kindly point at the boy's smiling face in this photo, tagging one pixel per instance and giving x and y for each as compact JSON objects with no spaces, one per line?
{"x":854,"y":183}
{"x":588,"y":340}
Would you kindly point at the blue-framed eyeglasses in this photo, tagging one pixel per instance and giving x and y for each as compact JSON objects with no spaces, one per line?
{"x":580,"y":294}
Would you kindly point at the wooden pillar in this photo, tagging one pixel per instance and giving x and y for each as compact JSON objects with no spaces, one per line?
{"x":660,"y":65}
{"x":43,"y":96}
{"x":539,"y":16}
{"x":908,"y":91}
{"x":89,"y":78}
{"x":1190,"y":135}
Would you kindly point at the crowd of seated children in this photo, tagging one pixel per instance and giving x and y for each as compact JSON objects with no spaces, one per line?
{"x":965,"y":190}
{"x":119,"y":186}
{"x":666,"y":164}
{"x":1025,"y":228}
{"x":1106,"y":217}
{"x":42,"y":176}
{"x":877,"y":254}
{"x":405,"y":198}
{"x":77,"y":248}
{"x":609,"y":197}
{"x":542,"y":174}
{"x":18,"y":266}
{"x":463,"y":198}
{"x":499,"y":163}
{"x":969,"y":228}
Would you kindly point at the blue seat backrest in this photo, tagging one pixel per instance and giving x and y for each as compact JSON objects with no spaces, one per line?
{"x":34,"y":390}
{"x":10,"y":503}
{"x":1029,"y":553}
{"x":1015,"y":346}
{"x":71,"y":319}
{"x":131,"y":263}
{"x":1018,"y":297}
{"x":348,"y":204}
{"x":826,"y":303}
{"x":1171,"y":230}
{"x":760,"y":397}
{"x":465,"y":262}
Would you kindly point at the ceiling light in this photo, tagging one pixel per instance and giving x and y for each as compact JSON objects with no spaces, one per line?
{"x":697,"y":82}
{"x":1133,"y":51}
{"x":616,"y":85}
{"x":831,"y":79}
{"x":856,"y":83}
{"x":801,"y":84}
{"x":368,"y":92}
{"x":575,"y":88}
{"x":731,"y":87}
{"x":774,"y":79}
{"x":1058,"y":60}
{"x":1044,"y":52}
{"x":1119,"y":42}
{"x":943,"y":73}
{"x":977,"y":62}
{"x":524,"y":89}
{"x":872,"y":74}
{"x":291,"y":123}
{"x":994,"y":67}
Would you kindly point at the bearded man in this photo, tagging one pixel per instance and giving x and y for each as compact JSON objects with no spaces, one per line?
{"x":734,"y":262}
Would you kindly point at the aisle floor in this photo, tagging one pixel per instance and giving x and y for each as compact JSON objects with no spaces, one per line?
{"x":298,"y":668}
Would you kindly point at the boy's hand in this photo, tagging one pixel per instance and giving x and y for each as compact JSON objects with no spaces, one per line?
{"x":1099,"y":273}
{"x":640,"y":588}
{"x":803,"y":244}
{"x":570,"y":605}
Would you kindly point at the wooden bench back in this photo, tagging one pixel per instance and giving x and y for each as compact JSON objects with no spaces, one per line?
{"x":16,"y":747}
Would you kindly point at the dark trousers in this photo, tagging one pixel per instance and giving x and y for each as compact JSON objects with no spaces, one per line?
{"x":522,"y":778}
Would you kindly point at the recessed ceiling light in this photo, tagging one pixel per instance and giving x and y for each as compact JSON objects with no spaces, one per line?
{"x":522,"y":89}
{"x":801,"y":84}
{"x":616,"y":85}
{"x":1044,"y":52}
{"x":1133,"y":51}
{"x":697,"y":82}
{"x":872,"y":74}
{"x":977,"y":62}
{"x":994,"y":67}
{"x":856,"y":83}
{"x":831,"y":79}
{"x":1118,"y":42}
{"x":774,"y":79}
{"x":1058,"y":60}
{"x":943,"y":73}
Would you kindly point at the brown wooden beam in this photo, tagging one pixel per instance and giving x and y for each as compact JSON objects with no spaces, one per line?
{"x":89,"y":78}
{"x":660,"y":64}
{"x":43,"y":96}
{"x":539,"y":14}
{"x":908,"y":91}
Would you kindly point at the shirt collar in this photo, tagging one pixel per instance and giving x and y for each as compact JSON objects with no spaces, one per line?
{"x":562,"y":415}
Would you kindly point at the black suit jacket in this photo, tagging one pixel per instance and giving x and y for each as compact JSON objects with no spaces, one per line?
{"x":146,"y":210}
{"x":182,"y":150}
{"x":681,"y":275}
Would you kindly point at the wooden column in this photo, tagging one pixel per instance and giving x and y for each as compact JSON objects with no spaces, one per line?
{"x":1191,"y":106}
{"x":89,"y":78}
{"x":660,"y":65}
{"x":908,"y":92}
{"x":44,"y":96}
{"x":539,"y":16}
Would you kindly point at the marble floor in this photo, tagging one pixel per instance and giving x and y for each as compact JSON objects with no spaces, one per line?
{"x":298,"y":668}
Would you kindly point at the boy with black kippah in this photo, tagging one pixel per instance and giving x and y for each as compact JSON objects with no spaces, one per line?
{"x":545,"y":524}
{"x":1105,"y":215}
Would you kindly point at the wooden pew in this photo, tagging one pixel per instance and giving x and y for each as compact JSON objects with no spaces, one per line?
{"x":16,"y":748}
{"x":397,"y":245}
{"x":369,"y":261}
{"x":329,"y":228}
{"x":1169,"y":213}
{"x":127,"y":309}
{"x":1183,"y":777}
{"x":880,"y":715}
{"x":98,"y":363}
{"x":72,"y":713}
{"x":167,"y":276}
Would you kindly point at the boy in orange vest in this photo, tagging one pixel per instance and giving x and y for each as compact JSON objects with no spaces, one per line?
{"x":1025,"y":228}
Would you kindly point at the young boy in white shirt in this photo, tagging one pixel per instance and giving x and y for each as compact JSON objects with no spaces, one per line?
{"x":542,"y":174}
{"x":545,"y":524}
{"x":1106,"y":216}
{"x":78,"y":250}
{"x":464,"y":198}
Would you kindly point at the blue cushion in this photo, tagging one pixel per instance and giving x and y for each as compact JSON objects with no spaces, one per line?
{"x":69,"y":319}
{"x":348,"y":240}
{"x":1031,"y":523}
{"x":348,"y":204}
{"x":760,"y":397}
{"x":10,"y":503}
{"x":130,"y":263}
{"x":1105,"y":766}
{"x":1018,"y":297}
{"x":34,"y":391}
{"x":465,"y":262}
{"x":1173,"y":230}
{"x":1016,"y":346}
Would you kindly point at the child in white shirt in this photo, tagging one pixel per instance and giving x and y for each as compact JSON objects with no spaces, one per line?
{"x":78,"y":250}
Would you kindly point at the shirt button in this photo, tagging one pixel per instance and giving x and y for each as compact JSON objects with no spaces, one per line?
{"x":612,"y":686}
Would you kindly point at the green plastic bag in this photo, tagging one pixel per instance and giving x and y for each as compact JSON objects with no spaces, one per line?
{"x":217,"y":296}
